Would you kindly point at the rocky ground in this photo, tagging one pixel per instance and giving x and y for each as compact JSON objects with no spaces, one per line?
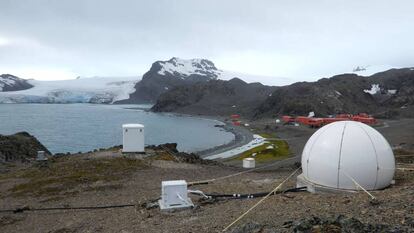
{"x":106,"y":178}
{"x":20,"y":147}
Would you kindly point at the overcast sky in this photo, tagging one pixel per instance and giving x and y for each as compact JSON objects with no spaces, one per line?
{"x":303,"y":40}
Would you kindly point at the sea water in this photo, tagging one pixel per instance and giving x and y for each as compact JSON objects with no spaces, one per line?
{"x":83,"y":127}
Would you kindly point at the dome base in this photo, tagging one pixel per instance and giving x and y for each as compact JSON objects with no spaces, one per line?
{"x":301,"y":181}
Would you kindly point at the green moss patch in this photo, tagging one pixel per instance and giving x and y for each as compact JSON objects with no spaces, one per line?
{"x":271,"y":150}
{"x":63,"y":175}
{"x":267,"y":135}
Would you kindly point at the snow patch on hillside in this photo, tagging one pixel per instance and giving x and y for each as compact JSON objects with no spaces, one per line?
{"x":187,"y":67}
{"x":82,"y":90}
{"x":375,"y":88}
{"x":392,"y":92}
{"x":7,"y":80}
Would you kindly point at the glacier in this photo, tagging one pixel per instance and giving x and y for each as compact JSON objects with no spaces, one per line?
{"x":81,"y":90}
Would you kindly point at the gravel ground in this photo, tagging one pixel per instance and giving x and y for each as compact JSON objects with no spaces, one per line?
{"x":395,"y":207}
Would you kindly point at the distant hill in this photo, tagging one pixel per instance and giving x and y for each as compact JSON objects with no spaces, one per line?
{"x":385,"y":94}
{"x":342,"y":93}
{"x":214,"y":97}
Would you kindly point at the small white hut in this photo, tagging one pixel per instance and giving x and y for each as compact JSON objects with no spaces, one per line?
{"x":133,"y":138}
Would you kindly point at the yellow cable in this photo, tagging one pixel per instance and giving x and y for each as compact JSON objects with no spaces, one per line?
{"x":261,"y":200}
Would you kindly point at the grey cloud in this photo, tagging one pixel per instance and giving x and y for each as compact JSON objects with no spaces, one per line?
{"x":299,"y":39}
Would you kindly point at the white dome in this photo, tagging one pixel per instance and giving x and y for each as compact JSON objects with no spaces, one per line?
{"x":345,"y":149}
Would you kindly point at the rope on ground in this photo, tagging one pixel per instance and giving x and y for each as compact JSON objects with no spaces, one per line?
{"x":358,"y":185}
{"x":405,"y":169}
{"x":235,"y":174}
{"x":261,"y":200}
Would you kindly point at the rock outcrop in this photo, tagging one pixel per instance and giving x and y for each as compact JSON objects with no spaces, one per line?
{"x":215,"y":97}
{"x":20,"y":147}
{"x":9,"y":82}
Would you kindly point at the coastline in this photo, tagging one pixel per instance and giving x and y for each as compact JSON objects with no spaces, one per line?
{"x":241,"y":135}
{"x":243,"y":138}
{"x":226,"y":154}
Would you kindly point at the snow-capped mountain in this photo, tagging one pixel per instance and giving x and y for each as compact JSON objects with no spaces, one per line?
{"x":165,"y":75}
{"x":185,"y":68}
{"x":80,"y":90}
{"x":9,"y":82}
{"x":162,"y":77}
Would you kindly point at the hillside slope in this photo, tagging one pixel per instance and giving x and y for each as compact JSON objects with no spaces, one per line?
{"x":385,"y":94}
{"x":215,"y":97}
{"x":10,"y":82}
{"x":391,"y":90}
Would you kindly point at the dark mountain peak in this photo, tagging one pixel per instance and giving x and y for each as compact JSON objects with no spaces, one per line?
{"x":10,"y":77}
{"x":10,"y":82}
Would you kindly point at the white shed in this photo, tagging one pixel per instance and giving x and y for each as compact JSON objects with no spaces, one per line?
{"x":133,"y":138}
{"x":342,"y":153}
{"x":174,"y":195}
{"x":249,"y":163}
